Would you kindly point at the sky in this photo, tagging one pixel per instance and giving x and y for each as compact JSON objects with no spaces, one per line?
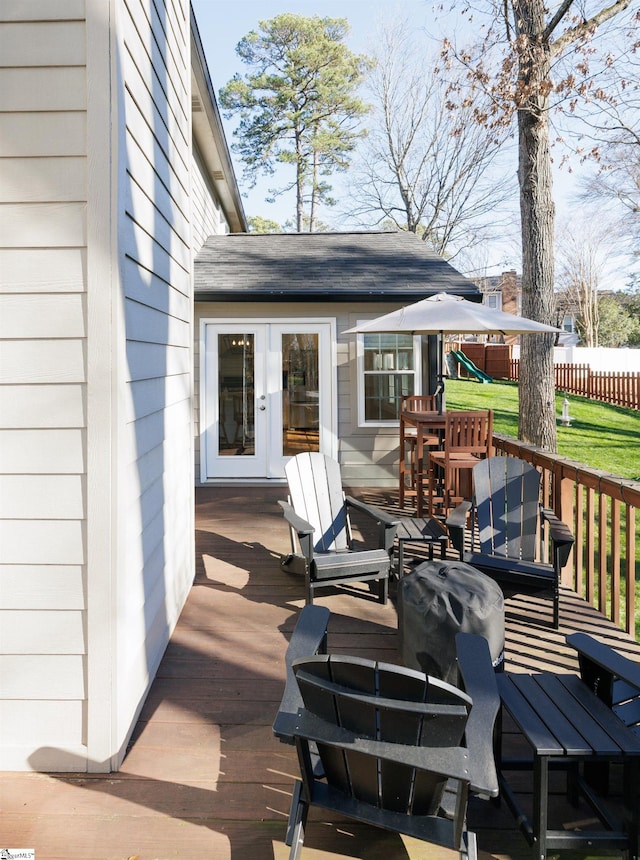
{"x":223,"y":23}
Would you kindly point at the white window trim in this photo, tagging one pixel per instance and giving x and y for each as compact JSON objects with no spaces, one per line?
{"x":417,"y":372}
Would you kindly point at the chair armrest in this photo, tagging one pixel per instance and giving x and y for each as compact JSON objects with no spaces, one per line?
{"x":456,"y":523}
{"x":387,"y":522}
{"x":448,"y":761}
{"x":479,"y":681}
{"x":303,"y":529}
{"x":309,"y":637}
{"x":561,"y":537}
{"x":378,"y":514}
{"x":601,"y":667}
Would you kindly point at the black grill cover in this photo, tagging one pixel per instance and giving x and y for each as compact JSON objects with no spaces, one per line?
{"x":439,"y":599}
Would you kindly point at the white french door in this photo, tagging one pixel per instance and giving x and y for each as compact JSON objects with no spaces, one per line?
{"x":267,"y":392}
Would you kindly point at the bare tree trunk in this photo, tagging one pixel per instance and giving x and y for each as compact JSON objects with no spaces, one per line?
{"x":314,"y":194}
{"x":299,"y":183}
{"x":537,"y":425}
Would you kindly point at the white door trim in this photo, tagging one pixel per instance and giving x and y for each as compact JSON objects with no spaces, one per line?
{"x":208,"y":411}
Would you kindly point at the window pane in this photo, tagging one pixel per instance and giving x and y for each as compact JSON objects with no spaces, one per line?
{"x":236,"y":394}
{"x":300,"y":394}
{"x":383,"y":393}
{"x":388,"y":374}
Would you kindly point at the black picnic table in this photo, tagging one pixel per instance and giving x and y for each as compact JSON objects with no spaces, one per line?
{"x":566,"y":725}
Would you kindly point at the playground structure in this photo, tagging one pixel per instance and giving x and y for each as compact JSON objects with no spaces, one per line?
{"x":465,"y":362}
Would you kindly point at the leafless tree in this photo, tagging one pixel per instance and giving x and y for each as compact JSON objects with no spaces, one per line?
{"x":530,"y":51}
{"x":424,"y":167}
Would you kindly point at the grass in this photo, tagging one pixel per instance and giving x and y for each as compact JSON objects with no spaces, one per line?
{"x":600,"y":436}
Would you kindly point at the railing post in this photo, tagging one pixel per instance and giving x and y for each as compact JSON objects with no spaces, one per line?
{"x":564,"y":502}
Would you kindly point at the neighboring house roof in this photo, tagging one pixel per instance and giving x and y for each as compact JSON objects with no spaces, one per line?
{"x":316,"y":266}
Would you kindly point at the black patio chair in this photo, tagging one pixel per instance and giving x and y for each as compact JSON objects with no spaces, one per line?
{"x":511,"y":526}
{"x":321,"y":539}
{"x":389,"y":740}
{"x":387,"y":745}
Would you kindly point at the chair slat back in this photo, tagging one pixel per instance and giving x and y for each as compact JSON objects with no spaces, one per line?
{"x":469,"y":432}
{"x":315,"y":491}
{"x":507,"y":495}
{"x":419,"y":403}
{"x":384,"y":703}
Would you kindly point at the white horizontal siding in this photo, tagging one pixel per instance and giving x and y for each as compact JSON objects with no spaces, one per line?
{"x":36,"y":723}
{"x":28,"y":225}
{"x":52,"y":361}
{"x":42,"y":270}
{"x":148,"y":289}
{"x":154,"y":326}
{"x":146,"y":138}
{"x":149,"y":254}
{"x":29,"y":89}
{"x":42,"y":452}
{"x":155,"y":562}
{"x":42,"y":43}
{"x":38,"y":497}
{"x":42,"y":406}
{"x":29,"y":135}
{"x":49,"y":587}
{"x":28,"y":180}
{"x":206,"y":211}
{"x":42,"y":676}
{"x":42,"y":316}
{"x":147,"y":360}
{"x":43,"y":265}
{"x":41,"y":632}
{"x":160,"y":224}
{"x":151,"y":396}
{"x":41,"y":10}
{"x":41,"y":542}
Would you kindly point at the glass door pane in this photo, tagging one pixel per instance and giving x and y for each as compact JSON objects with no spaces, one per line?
{"x":300,"y":393}
{"x":236,"y":394}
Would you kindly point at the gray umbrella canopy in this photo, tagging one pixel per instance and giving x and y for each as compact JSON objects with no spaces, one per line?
{"x":445,"y":313}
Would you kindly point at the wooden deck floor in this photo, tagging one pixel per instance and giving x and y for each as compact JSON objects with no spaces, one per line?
{"x":204,"y":778}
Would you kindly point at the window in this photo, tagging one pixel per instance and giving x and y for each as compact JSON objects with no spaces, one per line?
{"x":493,"y":300}
{"x":387,"y":372}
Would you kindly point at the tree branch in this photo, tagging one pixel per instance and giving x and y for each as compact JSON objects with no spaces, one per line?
{"x":553,"y":23}
{"x":581,"y":30}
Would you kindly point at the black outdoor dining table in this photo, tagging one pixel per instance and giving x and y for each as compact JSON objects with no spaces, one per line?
{"x":567,"y":726}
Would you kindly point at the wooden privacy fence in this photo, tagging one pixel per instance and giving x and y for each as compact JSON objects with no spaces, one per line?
{"x":601,"y":510}
{"x":620,"y":389}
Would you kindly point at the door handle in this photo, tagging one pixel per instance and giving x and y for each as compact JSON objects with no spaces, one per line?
{"x":262,"y":407}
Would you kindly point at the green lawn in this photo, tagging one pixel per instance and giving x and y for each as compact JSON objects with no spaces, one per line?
{"x":601,"y":436}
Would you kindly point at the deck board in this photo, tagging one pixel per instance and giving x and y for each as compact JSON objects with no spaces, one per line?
{"x":204,"y":777}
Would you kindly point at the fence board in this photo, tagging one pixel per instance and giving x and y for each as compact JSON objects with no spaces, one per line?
{"x":617,"y":388}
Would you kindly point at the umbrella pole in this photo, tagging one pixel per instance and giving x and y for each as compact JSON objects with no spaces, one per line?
{"x":440,"y":395}
{"x":432,"y":354}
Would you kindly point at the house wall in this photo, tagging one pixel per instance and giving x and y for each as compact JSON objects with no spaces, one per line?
{"x":154,"y":554}
{"x":207,"y":215}
{"x":368,"y":455}
{"x":43,"y":380}
{"x":96,"y":454}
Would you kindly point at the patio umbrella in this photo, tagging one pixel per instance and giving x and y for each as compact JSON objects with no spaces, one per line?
{"x":445,"y":313}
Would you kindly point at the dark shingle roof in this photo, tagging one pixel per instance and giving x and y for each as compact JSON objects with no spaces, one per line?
{"x":317,"y":266}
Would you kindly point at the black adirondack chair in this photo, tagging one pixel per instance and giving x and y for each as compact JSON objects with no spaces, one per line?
{"x":321,"y":540}
{"x":511,"y":527}
{"x":390,"y":745}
